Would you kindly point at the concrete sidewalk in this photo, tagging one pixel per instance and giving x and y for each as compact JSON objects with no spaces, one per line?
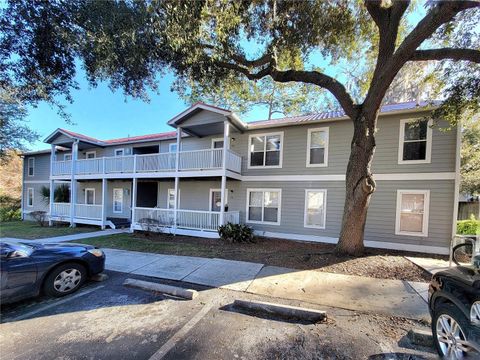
{"x":73,"y":237}
{"x":390,"y":297}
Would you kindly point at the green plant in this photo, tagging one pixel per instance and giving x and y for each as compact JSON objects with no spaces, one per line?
{"x":468,"y":227}
{"x":236,"y":233}
{"x":9,"y":208}
{"x":61,"y":194}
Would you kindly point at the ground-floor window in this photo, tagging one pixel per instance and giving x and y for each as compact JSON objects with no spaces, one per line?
{"x":264,"y":206}
{"x":117,"y":200}
{"x":315,"y":208}
{"x":30,"y":197}
{"x":90,"y":196}
{"x":412,"y":212}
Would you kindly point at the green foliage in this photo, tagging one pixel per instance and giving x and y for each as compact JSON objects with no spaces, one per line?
{"x":470,"y":161}
{"x":61,"y":194}
{"x":468,"y":227}
{"x":236,"y":233}
{"x":9,"y":208}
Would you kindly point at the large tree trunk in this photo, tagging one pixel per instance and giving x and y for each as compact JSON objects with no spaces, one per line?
{"x":359,"y":185}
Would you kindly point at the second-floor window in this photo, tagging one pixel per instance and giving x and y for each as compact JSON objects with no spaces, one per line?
{"x":265,"y":150}
{"x":90,"y":155}
{"x":119,"y":152}
{"x":415,"y":145}
{"x":67,"y":157}
{"x":172,"y":147}
{"x":317,"y":147}
{"x":31,"y":166}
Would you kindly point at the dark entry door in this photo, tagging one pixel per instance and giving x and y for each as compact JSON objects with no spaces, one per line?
{"x":147,"y":193}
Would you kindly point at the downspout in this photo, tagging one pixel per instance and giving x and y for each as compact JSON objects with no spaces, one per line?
{"x":456,"y":190}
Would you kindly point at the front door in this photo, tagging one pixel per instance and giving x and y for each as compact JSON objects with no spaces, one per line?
{"x":216,"y":200}
{"x":118,"y":200}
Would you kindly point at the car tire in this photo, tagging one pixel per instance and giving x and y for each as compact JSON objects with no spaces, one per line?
{"x":65,"y":279}
{"x":445,"y":316}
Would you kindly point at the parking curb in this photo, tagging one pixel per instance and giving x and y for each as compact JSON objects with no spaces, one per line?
{"x":166,"y":289}
{"x":281,"y":310}
{"x":420,"y":337}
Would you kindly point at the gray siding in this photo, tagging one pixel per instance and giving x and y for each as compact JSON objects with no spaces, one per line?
{"x":82,"y":185}
{"x":203,"y":117}
{"x":127,"y":198}
{"x":41,"y":168}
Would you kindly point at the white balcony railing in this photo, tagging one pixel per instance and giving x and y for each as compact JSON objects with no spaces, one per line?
{"x":201,"y":159}
{"x":234,"y":162}
{"x":87,"y":211}
{"x":89,"y":166}
{"x":187,"y":219}
{"x":62,"y":167}
{"x":155,"y":162}
{"x":119,"y":164}
{"x":61,"y":209}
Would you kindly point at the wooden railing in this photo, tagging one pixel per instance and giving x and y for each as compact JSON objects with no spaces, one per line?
{"x":234,"y":162}
{"x":201,"y":159}
{"x":87,"y":211}
{"x":89,"y":166}
{"x":61,"y":209}
{"x":155,"y":162}
{"x":62,"y":167}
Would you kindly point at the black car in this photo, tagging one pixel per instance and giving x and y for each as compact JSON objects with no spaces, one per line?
{"x":57,"y":269}
{"x":454,"y":303}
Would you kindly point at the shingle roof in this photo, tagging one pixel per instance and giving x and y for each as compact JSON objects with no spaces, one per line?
{"x":149,"y":137}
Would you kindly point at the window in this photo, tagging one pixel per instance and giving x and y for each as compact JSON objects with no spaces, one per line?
{"x":216,"y":199}
{"x":172,"y":147}
{"x":90,"y":155}
{"x":315,"y":208}
{"x":415,"y":146}
{"x":217,"y":143}
{"x":265,"y":150}
{"x":412,"y":212}
{"x":119,"y":152}
{"x":67,"y":157}
{"x":117,"y":200}
{"x":263,"y":206}
{"x":30,"y":197}
{"x":31,"y":166}
{"x":90,"y":196}
{"x":317,"y":147}
{"x":171,"y":198}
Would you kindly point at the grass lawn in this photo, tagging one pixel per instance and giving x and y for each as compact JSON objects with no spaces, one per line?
{"x":385,"y":264}
{"x":31,"y":230}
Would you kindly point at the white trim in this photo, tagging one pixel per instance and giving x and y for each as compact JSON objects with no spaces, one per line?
{"x":168,"y":197}
{"x":401,"y":142}
{"x":282,"y":144}
{"x":215,"y":140}
{"x":33,"y":166}
{"x":67,"y":155}
{"x":86,"y":190}
{"x":456,"y":191}
{"x":416,"y":176}
{"x":119,"y":149}
{"x":426,"y":207}
{"x":113,"y":201}
{"x":37,"y":182}
{"x":211,"y":195}
{"x":325,"y":154}
{"x":94,"y":152}
{"x":28,"y":197}
{"x":444,"y":250}
{"x":263,"y":190}
{"x":324,"y":191}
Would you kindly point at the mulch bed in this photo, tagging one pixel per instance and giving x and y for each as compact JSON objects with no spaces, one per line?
{"x":375,"y":263}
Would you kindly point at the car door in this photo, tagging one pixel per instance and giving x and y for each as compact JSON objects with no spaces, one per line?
{"x":18,"y":276}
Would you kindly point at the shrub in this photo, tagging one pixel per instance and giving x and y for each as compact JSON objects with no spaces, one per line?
{"x":9,"y":208}
{"x":468,"y":227}
{"x":236,"y":233}
{"x":40,"y":217}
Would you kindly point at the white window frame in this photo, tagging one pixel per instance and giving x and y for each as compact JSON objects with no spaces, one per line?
{"x":30,"y":190}
{"x":67,"y":157}
{"x":247,"y":212}
{"x":309,"y":141}
{"x":210,"y":198}
{"x":117,"y":150}
{"x":324,"y":211}
{"x":91,"y":152}
{"x":401,"y":142}
{"x":170,"y":147}
{"x":113,"y":201}
{"x":168,"y":198}
{"x":214,"y":140}
{"x":89,"y":189}
{"x":32,"y":159}
{"x":282,"y":145}
{"x":426,"y":203}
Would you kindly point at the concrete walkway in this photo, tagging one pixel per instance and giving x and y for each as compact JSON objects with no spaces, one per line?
{"x":390,"y":297}
{"x":73,"y":237}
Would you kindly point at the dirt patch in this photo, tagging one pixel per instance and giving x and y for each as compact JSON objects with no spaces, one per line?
{"x":376,"y":263}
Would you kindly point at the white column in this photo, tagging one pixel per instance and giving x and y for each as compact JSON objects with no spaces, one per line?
{"x":52,"y":184}
{"x":177,"y":180}
{"x":104,"y":202}
{"x":73,"y":183}
{"x":226,"y":130}
{"x":134,"y":202}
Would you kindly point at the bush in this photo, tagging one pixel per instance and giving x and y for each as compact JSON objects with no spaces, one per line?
{"x":236,"y":233}
{"x":40,"y":217}
{"x":468,"y":227}
{"x":9,"y":208}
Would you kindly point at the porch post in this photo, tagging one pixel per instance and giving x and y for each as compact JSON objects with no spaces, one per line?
{"x":73,"y":184}
{"x":52,"y":185}
{"x":104,"y":202}
{"x":177,"y":180}
{"x":134,"y":202}
{"x":226,"y":130}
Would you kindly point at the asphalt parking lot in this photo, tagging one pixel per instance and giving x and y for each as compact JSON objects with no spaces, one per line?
{"x":107,"y":320}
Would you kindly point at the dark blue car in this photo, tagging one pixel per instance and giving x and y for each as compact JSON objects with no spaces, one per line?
{"x":56,"y":269}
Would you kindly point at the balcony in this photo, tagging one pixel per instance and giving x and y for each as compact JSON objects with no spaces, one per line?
{"x":208,"y":159}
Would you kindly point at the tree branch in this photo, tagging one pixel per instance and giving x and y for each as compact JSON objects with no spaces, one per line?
{"x":446,"y":54}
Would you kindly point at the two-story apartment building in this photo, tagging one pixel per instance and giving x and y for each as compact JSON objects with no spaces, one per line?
{"x":284,"y":177}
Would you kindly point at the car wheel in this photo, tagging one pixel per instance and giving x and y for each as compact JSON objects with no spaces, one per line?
{"x":451,"y":333}
{"x":65,"y":279}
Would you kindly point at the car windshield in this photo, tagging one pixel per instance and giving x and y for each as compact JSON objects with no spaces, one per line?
{"x":7,"y":247}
